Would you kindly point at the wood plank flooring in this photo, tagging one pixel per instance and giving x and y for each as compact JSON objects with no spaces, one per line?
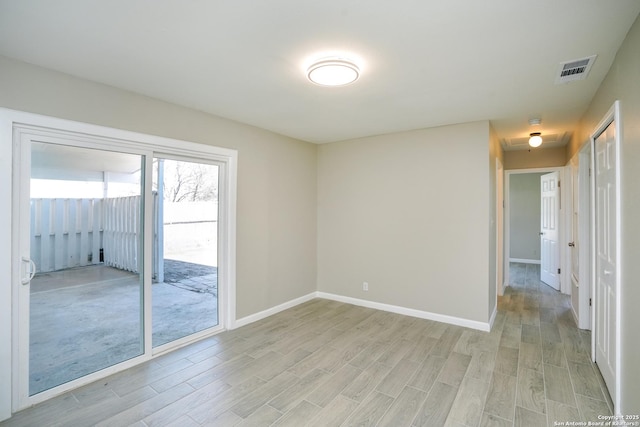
{"x":325,"y":363}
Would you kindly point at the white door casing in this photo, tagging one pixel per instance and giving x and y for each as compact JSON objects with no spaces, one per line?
{"x":606,"y":254}
{"x":575,"y":219}
{"x":507,"y":219}
{"x":500,"y":266}
{"x":549,"y":233}
{"x":583,"y":243}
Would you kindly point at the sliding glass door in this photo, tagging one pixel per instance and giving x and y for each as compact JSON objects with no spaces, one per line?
{"x":185,"y":256}
{"x":84,"y":239}
{"x":118,"y":255}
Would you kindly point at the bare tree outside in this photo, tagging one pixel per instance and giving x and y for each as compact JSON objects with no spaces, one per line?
{"x":189,"y":182}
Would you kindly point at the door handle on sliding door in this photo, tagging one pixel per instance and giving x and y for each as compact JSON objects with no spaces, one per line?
{"x":30,"y":270}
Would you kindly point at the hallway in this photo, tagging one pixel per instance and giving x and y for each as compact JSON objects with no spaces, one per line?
{"x":555,"y":375}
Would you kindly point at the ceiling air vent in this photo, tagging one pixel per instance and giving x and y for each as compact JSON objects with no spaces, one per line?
{"x":574,"y":70}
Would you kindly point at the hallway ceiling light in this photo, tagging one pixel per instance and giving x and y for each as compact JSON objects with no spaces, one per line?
{"x":535,"y":140}
{"x":333,"y":72}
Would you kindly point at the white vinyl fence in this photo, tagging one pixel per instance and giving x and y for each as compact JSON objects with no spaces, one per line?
{"x":120,"y":235}
{"x":67,"y":233}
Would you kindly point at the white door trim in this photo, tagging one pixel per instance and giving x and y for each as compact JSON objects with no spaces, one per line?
{"x":584,"y":237}
{"x":613,"y":115}
{"x":10,"y":120}
{"x":499,"y":229}
{"x":565,"y":284}
{"x":6,"y":314}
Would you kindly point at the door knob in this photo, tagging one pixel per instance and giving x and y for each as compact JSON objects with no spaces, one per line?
{"x":542,"y":233}
{"x":571,"y":244}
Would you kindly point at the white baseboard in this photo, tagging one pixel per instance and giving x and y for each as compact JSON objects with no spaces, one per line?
{"x":408,"y":311}
{"x":525,"y":261}
{"x":452,"y":320}
{"x":271,"y":311}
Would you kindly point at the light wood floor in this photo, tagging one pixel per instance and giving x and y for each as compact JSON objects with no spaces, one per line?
{"x":325,"y":363}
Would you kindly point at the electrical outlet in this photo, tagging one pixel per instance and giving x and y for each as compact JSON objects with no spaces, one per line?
{"x":365,"y":286}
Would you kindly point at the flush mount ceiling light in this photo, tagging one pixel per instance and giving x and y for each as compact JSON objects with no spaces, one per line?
{"x":535,"y":139}
{"x":333,"y":72}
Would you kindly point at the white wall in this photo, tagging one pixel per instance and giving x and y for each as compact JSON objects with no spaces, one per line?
{"x":410,"y":214}
{"x":539,"y":158}
{"x":524,"y":216}
{"x":623,"y":83}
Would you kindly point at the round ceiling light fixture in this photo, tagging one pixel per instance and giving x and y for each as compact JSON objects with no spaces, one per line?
{"x":535,"y":140}
{"x":333,"y":72}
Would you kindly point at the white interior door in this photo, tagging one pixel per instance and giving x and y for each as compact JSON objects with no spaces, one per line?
{"x":549,"y":235}
{"x":606,"y":255}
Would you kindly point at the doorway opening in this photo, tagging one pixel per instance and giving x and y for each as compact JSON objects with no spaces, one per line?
{"x":524,"y":223}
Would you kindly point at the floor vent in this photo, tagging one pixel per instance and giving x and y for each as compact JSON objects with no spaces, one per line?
{"x":574,"y":70}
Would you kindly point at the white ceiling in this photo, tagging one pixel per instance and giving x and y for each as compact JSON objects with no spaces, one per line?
{"x":424,"y":63}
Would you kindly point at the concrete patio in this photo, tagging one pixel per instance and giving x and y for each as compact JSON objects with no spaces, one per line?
{"x":88,"y":318}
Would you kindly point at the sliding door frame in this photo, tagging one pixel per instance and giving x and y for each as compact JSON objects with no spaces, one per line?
{"x":24,"y":136}
{"x":221,"y":252}
{"x":16,"y":128}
